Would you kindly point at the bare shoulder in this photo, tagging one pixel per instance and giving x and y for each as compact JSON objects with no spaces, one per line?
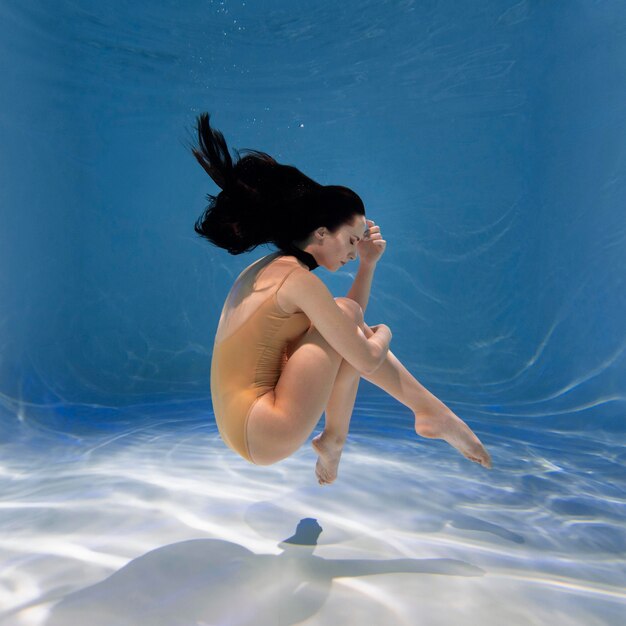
{"x":302,"y":287}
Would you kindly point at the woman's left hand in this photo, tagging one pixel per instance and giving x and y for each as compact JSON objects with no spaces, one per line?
{"x":372,"y":246}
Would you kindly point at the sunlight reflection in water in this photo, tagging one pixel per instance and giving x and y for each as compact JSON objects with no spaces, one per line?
{"x":537,"y":525}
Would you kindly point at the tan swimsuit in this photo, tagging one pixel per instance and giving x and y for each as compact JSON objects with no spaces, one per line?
{"x":248,"y":363}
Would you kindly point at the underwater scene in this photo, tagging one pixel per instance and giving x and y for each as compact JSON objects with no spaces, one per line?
{"x":487,"y":141}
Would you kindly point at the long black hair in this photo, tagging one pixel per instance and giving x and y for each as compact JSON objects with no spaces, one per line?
{"x":263,"y":201}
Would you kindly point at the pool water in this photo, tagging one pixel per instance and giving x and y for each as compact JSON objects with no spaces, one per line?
{"x":487,"y":141}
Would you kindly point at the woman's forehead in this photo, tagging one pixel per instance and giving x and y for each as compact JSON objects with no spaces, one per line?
{"x":358,"y":226}
{"x":361,"y":225}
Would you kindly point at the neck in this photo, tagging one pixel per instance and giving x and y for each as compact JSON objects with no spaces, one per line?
{"x":306,"y":257}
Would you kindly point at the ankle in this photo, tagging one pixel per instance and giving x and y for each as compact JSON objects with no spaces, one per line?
{"x":333,"y":438}
{"x":428,"y":405}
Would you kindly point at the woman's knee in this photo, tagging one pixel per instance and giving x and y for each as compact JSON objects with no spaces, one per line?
{"x":351,"y":308}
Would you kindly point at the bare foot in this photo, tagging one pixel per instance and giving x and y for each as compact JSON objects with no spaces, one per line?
{"x":328,"y":461}
{"x":444,"y":424}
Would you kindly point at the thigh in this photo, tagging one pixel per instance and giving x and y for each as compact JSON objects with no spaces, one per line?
{"x":282,"y":420}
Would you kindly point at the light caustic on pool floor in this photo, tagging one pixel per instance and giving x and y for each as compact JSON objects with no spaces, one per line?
{"x":157,"y":519}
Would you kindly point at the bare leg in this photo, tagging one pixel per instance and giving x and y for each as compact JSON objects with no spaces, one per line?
{"x":329,"y":443}
{"x":433,"y":419}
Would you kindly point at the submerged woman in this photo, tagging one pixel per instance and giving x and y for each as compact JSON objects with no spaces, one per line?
{"x":285,"y":350}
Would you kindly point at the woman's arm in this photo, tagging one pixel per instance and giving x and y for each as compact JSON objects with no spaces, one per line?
{"x":360,"y":290}
{"x":312,"y":297}
{"x":371,"y":248}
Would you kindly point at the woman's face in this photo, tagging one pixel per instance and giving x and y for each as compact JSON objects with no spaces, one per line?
{"x":338,"y":248}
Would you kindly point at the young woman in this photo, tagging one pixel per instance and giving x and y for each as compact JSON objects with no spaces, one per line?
{"x":285,"y":350}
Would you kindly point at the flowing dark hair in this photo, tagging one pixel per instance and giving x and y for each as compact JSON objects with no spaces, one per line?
{"x":263,"y":201}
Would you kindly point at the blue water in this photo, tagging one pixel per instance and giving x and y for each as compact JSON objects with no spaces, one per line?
{"x":487,"y":141}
